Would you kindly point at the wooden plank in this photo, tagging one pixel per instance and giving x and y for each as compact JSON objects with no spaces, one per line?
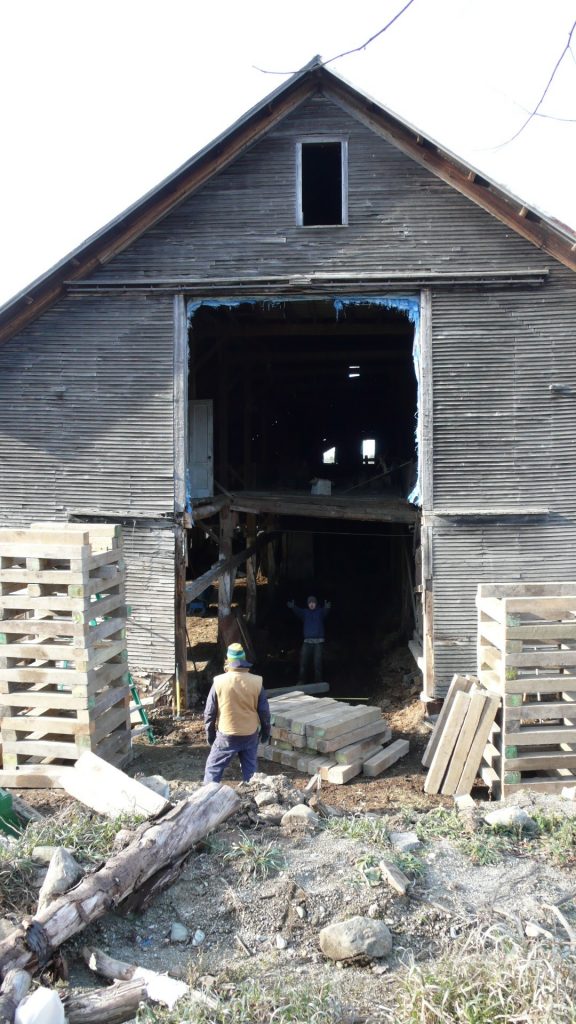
{"x":527,"y":590}
{"x":541,"y":710}
{"x":446,"y":742}
{"x":339,"y":774}
{"x":357,"y":752}
{"x":380,"y":762}
{"x":33,"y":777}
{"x":531,"y":684}
{"x":355,"y":718}
{"x":541,"y":735}
{"x":461,"y":752}
{"x":539,"y":631}
{"x":537,"y":785}
{"x":372,"y":729}
{"x":479,"y":742}
{"x":459,"y":684}
{"x":492,"y":607}
{"x":541,"y":659}
{"x":308,"y":688}
{"x":542,"y":760}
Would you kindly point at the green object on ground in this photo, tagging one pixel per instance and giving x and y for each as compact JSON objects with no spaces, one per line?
{"x":9,"y":821}
{"x":141,"y":710}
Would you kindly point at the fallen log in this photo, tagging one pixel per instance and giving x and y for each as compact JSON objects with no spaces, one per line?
{"x":14,"y":987}
{"x":161,"y":988}
{"x":112,"y":1005}
{"x":156,"y":845}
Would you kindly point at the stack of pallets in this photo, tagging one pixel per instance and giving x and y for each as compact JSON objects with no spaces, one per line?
{"x":527,"y":656}
{"x":63,"y":661}
{"x":319,"y":735}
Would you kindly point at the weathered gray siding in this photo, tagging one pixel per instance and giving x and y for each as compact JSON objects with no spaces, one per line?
{"x":502,"y":437}
{"x":86,"y":422}
{"x":401,"y":217}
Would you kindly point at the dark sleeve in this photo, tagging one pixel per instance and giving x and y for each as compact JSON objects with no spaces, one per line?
{"x":211,"y":713}
{"x":325,"y":612}
{"x":298,"y":612}
{"x":263,"y":710}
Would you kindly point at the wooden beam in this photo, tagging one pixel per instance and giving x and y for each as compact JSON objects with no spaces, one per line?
{"x":195,"y":587}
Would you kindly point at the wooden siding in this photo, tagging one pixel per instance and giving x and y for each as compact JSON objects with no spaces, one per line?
{"x":503,"y":438}
{"x":150,"y":595}
{"x":401,"y":217}
{"x":86,"y":423}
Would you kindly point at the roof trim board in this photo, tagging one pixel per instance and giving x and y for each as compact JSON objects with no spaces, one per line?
{"x":543,"y":232}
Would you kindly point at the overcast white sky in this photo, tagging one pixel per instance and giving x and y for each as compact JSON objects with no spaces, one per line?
{"x":100,"y":101}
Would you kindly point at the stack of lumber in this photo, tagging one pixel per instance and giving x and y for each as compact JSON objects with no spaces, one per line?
{"x":454,"y":753}
{"x":319,"y":735}
{"x":527,"y":656}
{"x":63,"y":660}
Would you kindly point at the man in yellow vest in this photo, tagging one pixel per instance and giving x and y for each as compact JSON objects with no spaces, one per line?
{"x":236,"y":717}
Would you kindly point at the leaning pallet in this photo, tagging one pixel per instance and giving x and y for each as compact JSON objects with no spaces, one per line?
{"x":320,"y":735}
{"x":527,"y":656}
{"x":63,"y":660}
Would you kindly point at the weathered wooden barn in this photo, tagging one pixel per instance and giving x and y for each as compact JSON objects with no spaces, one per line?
{"x":323,"y":292}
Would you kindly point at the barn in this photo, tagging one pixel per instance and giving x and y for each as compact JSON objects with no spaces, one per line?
{"x":324,"y":341}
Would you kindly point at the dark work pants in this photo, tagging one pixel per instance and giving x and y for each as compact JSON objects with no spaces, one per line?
{"x":310,"y":655}
{"x":224,"y":749}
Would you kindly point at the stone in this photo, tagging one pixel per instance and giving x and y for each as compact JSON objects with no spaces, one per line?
{"x":179,"y":933}
{"x":63,"y":872}
{"x":301,"y":911}
{"x":373,"y":910}
{"x":356,"y":937}
{"x":44,"y":854}
{"x":404,"y":842}
{"x":281,"y":942}
{"x":510,"y":817}
{"x":396,"y":879}
{"x":568,"y":793}
{"x":6,"y":927}
{"x":199,"y":937}
{"x":266,"y":796}
{"x":300,"y":813}
{"x":157,"y":783}
{"x":464,"y":802}
{"x":272,"y":814}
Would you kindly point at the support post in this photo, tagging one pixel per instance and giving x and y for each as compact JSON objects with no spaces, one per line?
{"x":181,"y":641}
{"x":226,"y":580}
{"x":251,"y":572}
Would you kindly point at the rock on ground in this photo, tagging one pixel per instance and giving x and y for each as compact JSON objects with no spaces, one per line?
{"x":358,"y":936}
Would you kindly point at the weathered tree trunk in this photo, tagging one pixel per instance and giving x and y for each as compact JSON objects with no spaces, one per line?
{"x":156,"y":845}
{"x":111,"y":1005}
{"x":107,"y":966}
{"x":14,"y":988}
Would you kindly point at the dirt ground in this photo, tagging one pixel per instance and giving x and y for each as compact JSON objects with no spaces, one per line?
{"x":241,"y":924}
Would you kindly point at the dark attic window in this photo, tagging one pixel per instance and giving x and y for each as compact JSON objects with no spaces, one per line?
{"x":322,"y":182}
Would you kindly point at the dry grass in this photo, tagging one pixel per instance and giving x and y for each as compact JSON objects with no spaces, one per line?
{"x":490,"y":979}
{"x":89,"y":838}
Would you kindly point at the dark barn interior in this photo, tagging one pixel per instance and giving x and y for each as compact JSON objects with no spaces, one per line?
{"x":303,"y":392}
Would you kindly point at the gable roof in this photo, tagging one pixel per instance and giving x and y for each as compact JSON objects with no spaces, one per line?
{"x":548,"y":234}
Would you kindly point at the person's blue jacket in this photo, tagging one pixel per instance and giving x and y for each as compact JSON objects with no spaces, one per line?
{"x":312,"y":620}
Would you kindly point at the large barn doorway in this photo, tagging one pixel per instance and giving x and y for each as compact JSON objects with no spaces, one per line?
{"x":313,"y":416}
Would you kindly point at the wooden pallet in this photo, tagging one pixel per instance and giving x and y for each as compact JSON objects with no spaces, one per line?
{"x":319,"y":735}
{"x":63,"y":660}
{"x":527,"y":656}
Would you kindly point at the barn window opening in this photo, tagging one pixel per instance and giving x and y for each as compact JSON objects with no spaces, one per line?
{"x":322,"y":180}
{"x":329,"y":457}
{"x":369,"y":451}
